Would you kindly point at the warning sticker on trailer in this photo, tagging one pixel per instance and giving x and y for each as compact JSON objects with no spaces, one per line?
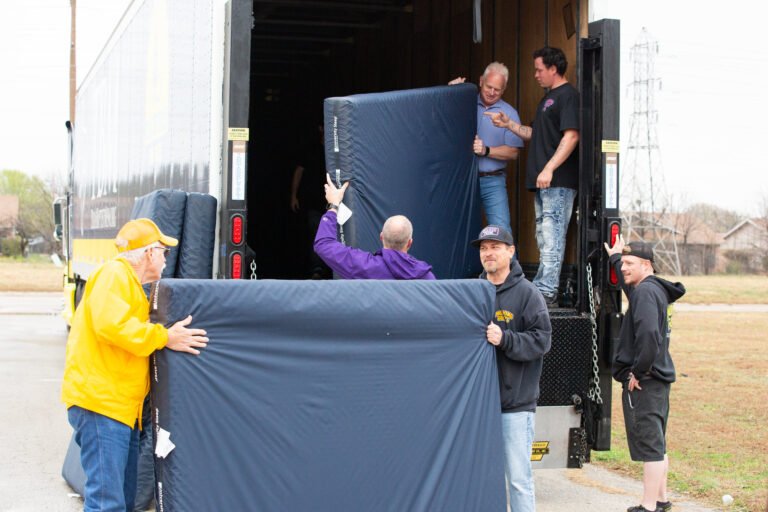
{"x":238,"y":134}
{"x":540,"y":449}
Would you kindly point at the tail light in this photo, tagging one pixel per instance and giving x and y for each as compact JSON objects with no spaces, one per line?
{"x":614,"y":230}
{"x":236,"y":231}
{"x":236,"y":265}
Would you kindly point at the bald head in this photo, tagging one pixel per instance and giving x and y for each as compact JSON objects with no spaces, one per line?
{"x":397,"y":233}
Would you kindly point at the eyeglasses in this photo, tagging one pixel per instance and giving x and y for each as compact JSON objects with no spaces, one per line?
{"x":166,"y":250}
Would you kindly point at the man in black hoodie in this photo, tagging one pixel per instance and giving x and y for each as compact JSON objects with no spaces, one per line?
{"x":643,"y":365}
{"x":522,"y":334}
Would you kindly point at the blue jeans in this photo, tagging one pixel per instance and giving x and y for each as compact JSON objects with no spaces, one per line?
{"x":517,"y":429}
{"x":553,"y":213}
{"x":109,"y":453}
{"x":493,"y":193}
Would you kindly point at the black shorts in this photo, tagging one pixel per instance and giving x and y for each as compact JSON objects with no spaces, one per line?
{"x":645,"y":418}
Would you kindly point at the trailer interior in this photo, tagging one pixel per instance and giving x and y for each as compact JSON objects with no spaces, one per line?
{"x":302,"y":51}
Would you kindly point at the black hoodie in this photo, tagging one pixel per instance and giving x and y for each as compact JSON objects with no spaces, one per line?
{"x":644,"y":340}
{"x":524,"y":320}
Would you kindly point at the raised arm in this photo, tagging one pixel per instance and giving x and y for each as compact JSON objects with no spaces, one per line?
{"x":502,"y":120}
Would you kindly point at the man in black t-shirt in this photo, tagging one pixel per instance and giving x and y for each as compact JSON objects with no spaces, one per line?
{"x":553,"y":164}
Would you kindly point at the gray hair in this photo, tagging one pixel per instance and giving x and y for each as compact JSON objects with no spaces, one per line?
{"x":499,"y":69}
{"x":396,"y":233}
{"x":134,"y":255}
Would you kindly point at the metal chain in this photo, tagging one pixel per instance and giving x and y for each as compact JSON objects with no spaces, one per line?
{"x":595,"y":393}
{"x":253,"y":269}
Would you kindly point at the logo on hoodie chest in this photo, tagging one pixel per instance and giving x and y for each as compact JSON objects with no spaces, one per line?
{"x":502,"y":315}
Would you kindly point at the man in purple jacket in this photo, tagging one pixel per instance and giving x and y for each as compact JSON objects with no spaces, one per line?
{"x":391,"y":262}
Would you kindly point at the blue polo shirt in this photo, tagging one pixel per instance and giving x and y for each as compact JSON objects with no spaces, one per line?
{"x":493,"y":136}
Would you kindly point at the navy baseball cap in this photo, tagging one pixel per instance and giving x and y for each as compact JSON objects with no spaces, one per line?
{"x":493,"y":232}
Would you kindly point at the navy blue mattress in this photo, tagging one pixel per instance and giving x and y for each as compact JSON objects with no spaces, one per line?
{"x":330,"y":396}
{"x":166,"y":208}
{"x":410,"y":152}
{"x":196,"y":246}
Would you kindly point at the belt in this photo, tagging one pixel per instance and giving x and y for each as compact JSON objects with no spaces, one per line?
{"x":497,"y":172}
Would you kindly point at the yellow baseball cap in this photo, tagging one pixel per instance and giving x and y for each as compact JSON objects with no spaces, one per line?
{"x":140,"y":233}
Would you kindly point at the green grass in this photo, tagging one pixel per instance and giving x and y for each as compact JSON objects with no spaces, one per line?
{"x":34,"y":274}
{"x":724,"y":289}
{"x":717,"y":435}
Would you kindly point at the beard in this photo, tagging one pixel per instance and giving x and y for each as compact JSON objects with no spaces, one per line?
{"x":491,"y":266}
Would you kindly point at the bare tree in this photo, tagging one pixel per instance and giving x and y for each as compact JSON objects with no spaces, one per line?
{"x":718,"y":219}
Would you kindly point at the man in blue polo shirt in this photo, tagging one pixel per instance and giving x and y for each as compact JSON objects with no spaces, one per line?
{"x":493,"y":146}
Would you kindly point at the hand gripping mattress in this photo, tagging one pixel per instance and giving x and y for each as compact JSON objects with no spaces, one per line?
{"x":410,"y":153}
{"x":329,"y":396}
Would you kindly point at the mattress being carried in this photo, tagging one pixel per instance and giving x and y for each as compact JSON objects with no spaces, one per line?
{"x":410,"y":153}
{"x":329,"y":396}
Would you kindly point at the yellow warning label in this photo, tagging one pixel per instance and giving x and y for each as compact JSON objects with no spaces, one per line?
{"x":540,"y":449}
{"x":610,"y":146}
{"x":237,"y":133}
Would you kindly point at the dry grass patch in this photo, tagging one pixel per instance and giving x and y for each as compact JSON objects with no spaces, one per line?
{"x":718,"y":426}
{"x":724,"y":289}
{"x":30,"y":276}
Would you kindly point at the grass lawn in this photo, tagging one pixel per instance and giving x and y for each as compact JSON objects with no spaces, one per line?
{"x":724,"y":289}
{"x":718,"y":426}
{"x":36,"y":274}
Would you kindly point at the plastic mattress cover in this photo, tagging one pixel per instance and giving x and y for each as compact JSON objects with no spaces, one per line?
{"x":329,"y":396}
{"x":410,"y":153}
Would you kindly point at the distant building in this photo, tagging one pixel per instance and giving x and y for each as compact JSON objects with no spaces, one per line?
{"x":9,"y":215}
{"x":699,"y":246}
{"x":696,"y":245}
{"x":747,"y":242}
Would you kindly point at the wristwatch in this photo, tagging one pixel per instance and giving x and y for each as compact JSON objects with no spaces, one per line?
{"x":332,"y":206}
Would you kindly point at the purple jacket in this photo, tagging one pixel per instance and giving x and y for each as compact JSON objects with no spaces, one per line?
{"x":352,"y":263}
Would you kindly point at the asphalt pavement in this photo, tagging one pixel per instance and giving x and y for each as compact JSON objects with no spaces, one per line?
{"x":35,"y":433}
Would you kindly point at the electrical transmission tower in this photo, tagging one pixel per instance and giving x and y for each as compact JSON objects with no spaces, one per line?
{"x":644,"y":200}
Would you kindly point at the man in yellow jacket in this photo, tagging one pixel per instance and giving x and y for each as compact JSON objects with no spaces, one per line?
{"x":106,"y":375}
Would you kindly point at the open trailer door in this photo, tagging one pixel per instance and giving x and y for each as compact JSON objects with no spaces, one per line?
{"x":600,"y":295}
{"x":236,"y":136}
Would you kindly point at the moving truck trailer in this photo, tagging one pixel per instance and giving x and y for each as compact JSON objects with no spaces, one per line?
{"x":204,"y":96}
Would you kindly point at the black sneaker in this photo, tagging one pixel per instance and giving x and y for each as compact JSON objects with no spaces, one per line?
{"x":640,"y":508}
{"x":664,"y":506}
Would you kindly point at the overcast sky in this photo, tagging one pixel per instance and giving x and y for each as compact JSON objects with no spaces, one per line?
{"x":711,"y":118}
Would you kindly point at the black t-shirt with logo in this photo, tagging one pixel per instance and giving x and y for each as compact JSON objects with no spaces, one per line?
{"x":557,"y":111}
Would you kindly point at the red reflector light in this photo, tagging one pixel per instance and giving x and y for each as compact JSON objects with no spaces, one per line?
{"x":237,"y":230}
{"x":614,"y":233}
{"x":613,"y":277}
{"x":236,"y":269}
{"x":615,"y":229}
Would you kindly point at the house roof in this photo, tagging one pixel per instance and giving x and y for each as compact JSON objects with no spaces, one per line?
{"x":758,"y":223}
